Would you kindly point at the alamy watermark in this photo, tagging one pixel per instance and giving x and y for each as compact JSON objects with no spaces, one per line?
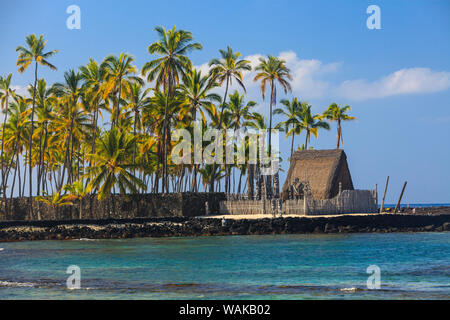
{"x":246,"y":146}
{"x":374,"y":20}
{"x":74,"y":280}
{"x":74,"y":20}
{"x":374,"y":280}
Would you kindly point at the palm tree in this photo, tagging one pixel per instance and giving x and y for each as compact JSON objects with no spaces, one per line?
{"x":207,"y":174}
{"x":338,"y":114}
{"x":226,"y":69}
{"x":56,"y":199}
{"x":138,"y":100}
{"x":239,"y":110}
{"x":73,"y":122}
{"x":291,"y":112}
{"x":258,"y":122}
{"x":155,"y":115}
{"x":119,"y":71}
{"x":15,"y":136}
{"x":5,"y":93}
{"x":34,"y":52}
{"x":172,"y":46}
{"x":198,"y":98}
{"x":93,"y":88}
{"x":271,"y":71}
{"x":239,"y":113}
{"x":77,"y":191}
{"x":311,"y":123}
{"x":44,"y":110}
{"x":112,"y":166}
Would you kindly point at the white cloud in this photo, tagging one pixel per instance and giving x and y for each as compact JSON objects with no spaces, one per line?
{"x":311,"y":80}
{"x":401,"y":82}
{"x":308,"y":75}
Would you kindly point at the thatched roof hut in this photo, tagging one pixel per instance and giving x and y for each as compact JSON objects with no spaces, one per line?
{"x":323,"y":169}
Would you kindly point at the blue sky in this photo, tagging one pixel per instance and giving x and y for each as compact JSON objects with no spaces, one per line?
{"x":396,"y":79}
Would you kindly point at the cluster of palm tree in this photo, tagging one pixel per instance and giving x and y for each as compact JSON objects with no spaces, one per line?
{"x":107,"y":127}
{"x":299,"y":118}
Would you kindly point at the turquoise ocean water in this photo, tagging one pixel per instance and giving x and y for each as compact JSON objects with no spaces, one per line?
{"x":413,"y":266}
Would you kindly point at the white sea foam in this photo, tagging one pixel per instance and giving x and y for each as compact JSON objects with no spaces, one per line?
{"x":352,"y":289}
{"x":1,"y":249}
{"x":15,"y":284}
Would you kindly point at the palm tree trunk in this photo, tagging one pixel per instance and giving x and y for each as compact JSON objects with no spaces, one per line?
{"x":306,"y":141}
{"x":4,"y":178}
{"x":269,"y":177}
{"x":39,"y":172}
{"x":194,"y":179}
{"x":30,"y":166}
{"x":94,"y":133}
{"x":339,"y":134}
{"x":251,"y":179}
{"x":43,"y":167}
{"x":134,"y":135}
{"x":81,"y":209}
{"x":20,"y":180}
{"x":24,"y":175}
{"x":13,"y":183}
{"x":66,"y":157}
{"x":292,"y":144}
{"x":164,"y":173}
{"x":240,"y":181}
{"x":211,"y":187}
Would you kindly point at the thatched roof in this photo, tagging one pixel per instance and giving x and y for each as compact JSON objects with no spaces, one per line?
{"x":324,"y":169}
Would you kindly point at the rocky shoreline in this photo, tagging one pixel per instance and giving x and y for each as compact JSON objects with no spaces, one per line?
{"x":11,"y":231}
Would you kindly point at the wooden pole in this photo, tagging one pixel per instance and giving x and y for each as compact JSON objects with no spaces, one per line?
{"x":384,"y":195}
{"x":401,"y":196}
{"x":376,"y":194}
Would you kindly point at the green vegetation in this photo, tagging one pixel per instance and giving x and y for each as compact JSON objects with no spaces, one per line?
{"x":106,"y":127}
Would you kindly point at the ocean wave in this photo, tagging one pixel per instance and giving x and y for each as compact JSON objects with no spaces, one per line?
{"x":351,"y":289}
{"x":16,"y":284}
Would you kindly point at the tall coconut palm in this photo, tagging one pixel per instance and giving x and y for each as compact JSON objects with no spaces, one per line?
{"x":44,"y":108}
{"x":291,"y":112}
{"x":113,"y":166}
{"x":173,"y":46}
{"x":73,"y":120}
{"x":33,"y":53}
{"x":5,"y":93}
{"x":16,"y":134}
{"x":208,"y":174}
{"x":155,"y":115}
{"x":197,"y":95}
{"x":138,"y":100}
{"x":239,"y":112}
{"x":224,"y":70}
{"x":258,"y":122}
{"x":272,"y":71}
{"x":338,"y":114}
{"x":311,"y":123}
{"x":94,"y":85}
{"x":119,"y":71}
